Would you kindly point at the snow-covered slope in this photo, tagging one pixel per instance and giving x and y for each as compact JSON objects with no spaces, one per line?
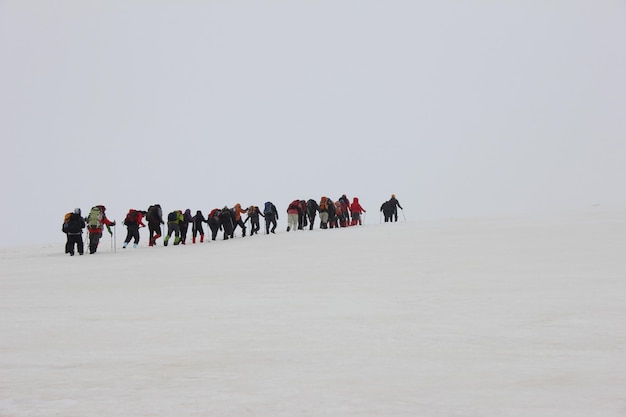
{"x":491,"y":317}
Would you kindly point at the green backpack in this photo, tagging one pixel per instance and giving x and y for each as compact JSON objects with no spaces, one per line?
{"x":94,"y":220}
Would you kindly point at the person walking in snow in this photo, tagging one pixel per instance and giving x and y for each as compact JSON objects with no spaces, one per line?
{"x":95,"y":221}
{"x":238,"y":211}
{"x":323,"y":209}
{"x":332,"y":214}
{"x":394,"y":203}
{"x":302,"y":218}
{"x":387,"y":210}
{"x":253,"y":215}
{"x":154,"y":216}
{"x":197,"y":228}
{"x":311,"y":211}
{"x":343,"y":212}
{"x":214,"y":222}
{"x":356,"y":210}
{"x":227,"y":222}
{"x":184,"y":225}
{"x":293,"y":212}
{"x":133,"y":221}
{"x":73,"y":228}
{"x":271,"y":217}
{"x":174,"y":219}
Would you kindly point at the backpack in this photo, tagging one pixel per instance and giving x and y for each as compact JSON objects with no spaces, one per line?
{"x":154,"y":214}
{"x":94,"y":220}
{"x":269,"y":208}
{"x":172,"y":217}
{"x":74,"y":224}
{"x":66,"y":223}
{"x":131,"y":217}
{"x":324,"y":204}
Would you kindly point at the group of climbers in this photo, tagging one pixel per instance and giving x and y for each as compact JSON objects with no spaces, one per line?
{"x":74,"y":224}
{"x":300,"y":214}
{"x":390,"y":209}
{"x":340,"y":213}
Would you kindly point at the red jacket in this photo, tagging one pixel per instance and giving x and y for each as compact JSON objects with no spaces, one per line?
{"x":294,"y":207}
{"x":140,"y":219}
{"x":355,"y":207}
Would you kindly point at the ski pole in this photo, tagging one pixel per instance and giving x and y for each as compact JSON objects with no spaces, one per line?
{"x":403,"y":216}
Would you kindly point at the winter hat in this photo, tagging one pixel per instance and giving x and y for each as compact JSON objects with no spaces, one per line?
{"x":77,"y":211}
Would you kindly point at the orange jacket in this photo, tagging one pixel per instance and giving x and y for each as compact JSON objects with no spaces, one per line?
{"x":239,"y":211}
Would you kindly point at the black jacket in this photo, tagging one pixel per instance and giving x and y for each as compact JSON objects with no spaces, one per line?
{"x":75,"y":224}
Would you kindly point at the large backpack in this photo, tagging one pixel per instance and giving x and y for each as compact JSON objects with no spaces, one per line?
{"x":214,"y":214}
{"x":66,"y":223}
{"x":154,"y":214}
{"x":94,"y":219}
{"x":269,"y":208}
{"x":74,"y":224}
{"x":172,"y":217}
{"x":131,"y":216}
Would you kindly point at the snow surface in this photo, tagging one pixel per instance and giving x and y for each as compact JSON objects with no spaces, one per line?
{"x":519,"y":316}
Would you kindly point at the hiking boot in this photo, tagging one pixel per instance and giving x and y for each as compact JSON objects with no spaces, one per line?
{"x":124,"y":245}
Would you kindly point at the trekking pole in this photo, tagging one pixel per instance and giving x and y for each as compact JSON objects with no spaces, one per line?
{"x":403,"y":216}
{"x":380,"y":218}
{"x":115,"y":238}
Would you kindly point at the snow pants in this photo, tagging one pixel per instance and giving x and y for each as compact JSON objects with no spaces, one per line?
{"x":132,"y":232}
{"x":174,"y":228}
{"x":292,"y":221}
{"x":197,"y":229}
{"x":184,"y":227}
{"x":270,"y":219}
{"x":241,"y":224}
{"x":94,"y":240}
{"x":74,"y":240}
{"x":311,"y":220}
{"x":215,"y":228}
{"x":155,"y":232}
{"x":255,"y":226}
{"x":323,"y":220}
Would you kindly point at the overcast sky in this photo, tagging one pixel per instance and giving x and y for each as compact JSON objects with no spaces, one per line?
{"x":460,"y":108}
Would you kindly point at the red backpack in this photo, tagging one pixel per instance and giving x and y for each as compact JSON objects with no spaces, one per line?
{"x":131,"y":217}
